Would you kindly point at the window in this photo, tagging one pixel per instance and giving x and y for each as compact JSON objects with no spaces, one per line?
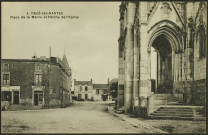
{"x":37,"y":67}
{"x":97,"y":91}
{"x":5,"y":79}
{"x":6,"y":96}
{"x":80,"y":88}
{"x":6,"y":66}
{"x":38,"y":78}
{"x":86,"y":88}
{"x":201,"y":41}
{"x":79,"y":96}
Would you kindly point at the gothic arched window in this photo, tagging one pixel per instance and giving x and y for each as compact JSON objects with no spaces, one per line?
{"x":201,"y":41}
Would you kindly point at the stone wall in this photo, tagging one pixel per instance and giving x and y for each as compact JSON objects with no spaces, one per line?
{"x":191,"y":92}
{"x":22,"y":74}
{"x":200,"y":92}
{"x":175,"y":21}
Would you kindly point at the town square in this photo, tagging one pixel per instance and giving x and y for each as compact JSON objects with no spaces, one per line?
{"x":104,"y":67}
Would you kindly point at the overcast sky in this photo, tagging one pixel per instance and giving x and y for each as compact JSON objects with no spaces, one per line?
{"x":90,"y":42}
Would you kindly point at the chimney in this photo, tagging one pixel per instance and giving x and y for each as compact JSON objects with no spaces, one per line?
{"x":108,"y":80}
{"x":34,"y":56}
{"x":91,"y":79}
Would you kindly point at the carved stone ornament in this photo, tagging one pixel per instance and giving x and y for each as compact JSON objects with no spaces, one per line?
{"x":136,"y":24}
{"x":201,"y":8}
{"x":166,"y":9}
{"x":190,"y":22}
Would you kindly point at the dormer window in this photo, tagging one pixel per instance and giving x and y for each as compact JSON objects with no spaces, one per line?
{"x":6,"y":66}
{"x":86,"y":88}
{"x":37,"y":67}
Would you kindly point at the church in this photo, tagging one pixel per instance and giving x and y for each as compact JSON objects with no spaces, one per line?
{"x":162,"y":55}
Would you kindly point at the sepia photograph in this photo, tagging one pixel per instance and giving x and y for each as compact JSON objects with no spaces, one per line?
{"x":94,"y":67}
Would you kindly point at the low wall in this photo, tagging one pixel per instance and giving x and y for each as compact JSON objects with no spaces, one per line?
{"x":190,"y":92}
{"x":54,"y":103}
{"x":97,"y":97}
{"x":178,"y":90}
{"x":151,"y":104}
{"x":200,"y":92}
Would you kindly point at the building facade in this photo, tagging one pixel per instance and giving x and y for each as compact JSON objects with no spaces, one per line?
{"x":83,"y":89}
{"x":87,"y":90}
{"x":101,"y":92}
{"x":37,"y":81}
{"x":177,"y":31}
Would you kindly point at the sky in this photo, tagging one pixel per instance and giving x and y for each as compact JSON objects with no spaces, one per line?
{"x":90,"y":42}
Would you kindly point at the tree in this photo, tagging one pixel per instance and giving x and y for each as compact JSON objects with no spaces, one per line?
{"x":114,"y":89}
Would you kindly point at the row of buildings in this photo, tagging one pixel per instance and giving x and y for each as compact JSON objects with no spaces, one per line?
{"x":37,"y":81}
{"x":87,"y":90}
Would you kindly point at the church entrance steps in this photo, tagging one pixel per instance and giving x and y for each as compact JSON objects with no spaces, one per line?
{"x":170,"y":107}
{"x":189,"y":113}
{"x":167,"y":99}
{"x":179,"y":118}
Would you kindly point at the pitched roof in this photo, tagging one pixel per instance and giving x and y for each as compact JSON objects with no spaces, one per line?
{"x":100,"y":86}
{"x":76,"y":83}
{"x":26,"y":60}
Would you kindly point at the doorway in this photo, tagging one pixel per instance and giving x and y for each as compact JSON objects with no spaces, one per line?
{"x":16,"y":97}
{"x":38,"y":98}
{"x":86,"y":96}
{"x":161,"y":65}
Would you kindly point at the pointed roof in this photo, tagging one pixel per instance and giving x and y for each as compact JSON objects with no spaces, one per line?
{"x":65,"y":65}
{"x":64,"y":62}
{"x":168,"y":12}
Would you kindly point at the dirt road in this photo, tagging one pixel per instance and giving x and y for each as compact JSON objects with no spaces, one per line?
{"x":90,"y":117}
{"x":82,"y":117}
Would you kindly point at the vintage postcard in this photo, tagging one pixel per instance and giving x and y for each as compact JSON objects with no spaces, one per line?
{"x":103,"y":67}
